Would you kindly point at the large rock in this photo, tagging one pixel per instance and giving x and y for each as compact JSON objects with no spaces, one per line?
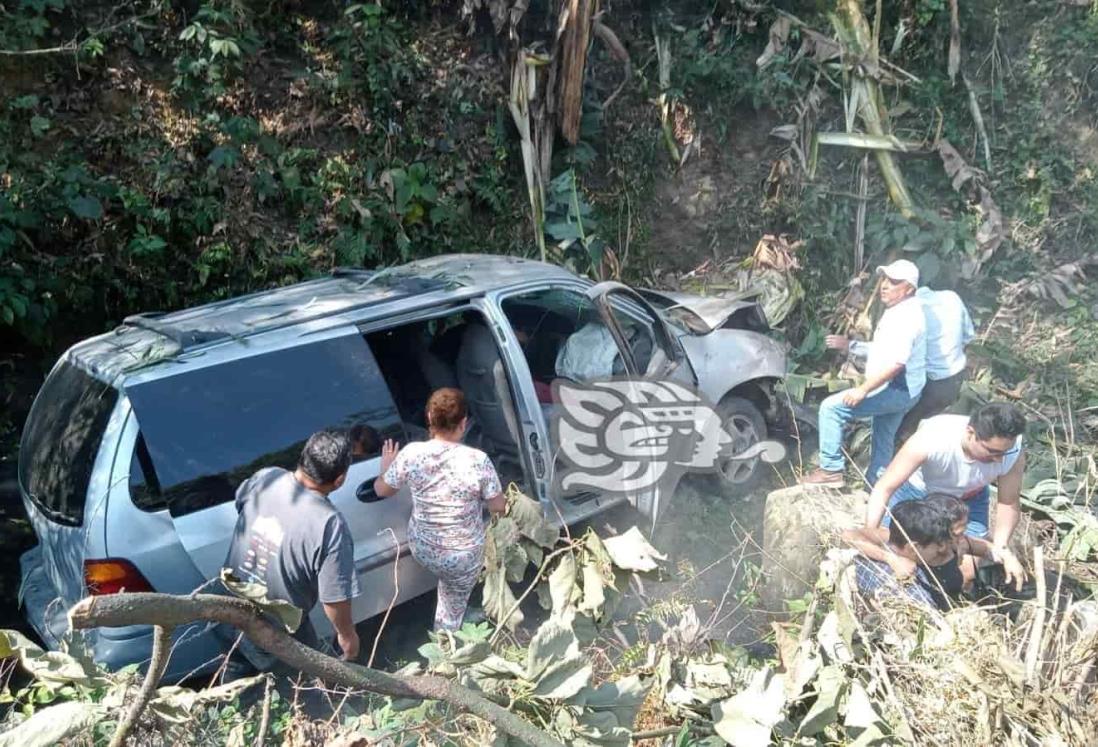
{"x":799,"y":525}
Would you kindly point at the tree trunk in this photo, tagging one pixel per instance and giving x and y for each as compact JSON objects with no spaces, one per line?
{"x":166,"y":610}
{"x":855,"y":33}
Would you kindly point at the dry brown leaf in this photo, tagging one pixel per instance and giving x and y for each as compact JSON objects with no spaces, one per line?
{"x":991,"y":232}
{"x":779,"y":34}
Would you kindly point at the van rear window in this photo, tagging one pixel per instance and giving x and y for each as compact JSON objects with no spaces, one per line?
{"x":203,"y":432}
{"x":61,"y":440}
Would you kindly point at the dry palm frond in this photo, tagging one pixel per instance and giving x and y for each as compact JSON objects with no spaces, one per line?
{"x":1060,"y":284}
{"x":961,"y":677}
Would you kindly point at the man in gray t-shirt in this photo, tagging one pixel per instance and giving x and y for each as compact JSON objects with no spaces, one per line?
{"x":290,"y":538}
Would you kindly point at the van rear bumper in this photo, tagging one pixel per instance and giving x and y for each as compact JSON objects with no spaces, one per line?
{"x":195,"y":649}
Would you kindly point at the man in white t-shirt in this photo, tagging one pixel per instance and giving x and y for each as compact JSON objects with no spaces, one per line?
{"x":948,"y":330}
{"x":960,"y":456}
{"x":895,"y":373}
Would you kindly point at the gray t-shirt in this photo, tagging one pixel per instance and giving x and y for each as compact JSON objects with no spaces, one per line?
{"x":293,"y":540}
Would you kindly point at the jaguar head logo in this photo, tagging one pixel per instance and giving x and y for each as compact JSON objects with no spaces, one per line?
{"x":625,"y":435}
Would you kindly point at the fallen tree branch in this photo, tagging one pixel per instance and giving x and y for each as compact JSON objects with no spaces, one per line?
{"x":392,"y":602}
{"x":162,"y":637}
{"x":265,"y":713}
{"x":167,"y":610}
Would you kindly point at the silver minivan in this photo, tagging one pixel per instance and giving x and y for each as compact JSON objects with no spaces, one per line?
{"x":137,"y":441}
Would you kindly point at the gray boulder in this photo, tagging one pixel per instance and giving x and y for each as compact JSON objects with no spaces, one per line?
{"x":799,"y":525}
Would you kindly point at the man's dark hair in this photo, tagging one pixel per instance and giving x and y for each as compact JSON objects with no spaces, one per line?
{"x":918,"y":522}
{"x":326,"y":456}
{"x":954,"y":508}
{"x":998,"y":420}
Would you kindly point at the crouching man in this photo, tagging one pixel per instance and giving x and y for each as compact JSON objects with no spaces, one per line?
{"x":290,"y":538}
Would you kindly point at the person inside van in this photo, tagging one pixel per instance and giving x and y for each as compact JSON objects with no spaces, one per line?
{"x":291,"y":539}
{"x":451,"y":484}
{"x":365,"y":441}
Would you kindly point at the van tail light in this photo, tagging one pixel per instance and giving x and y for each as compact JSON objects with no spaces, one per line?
{"x":113,"y":575}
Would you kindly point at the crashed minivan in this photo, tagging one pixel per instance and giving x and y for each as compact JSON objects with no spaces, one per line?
{"x":138,"y":439}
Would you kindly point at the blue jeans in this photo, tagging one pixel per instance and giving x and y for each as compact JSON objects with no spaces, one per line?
{"x":886,"y":408}
{"x":979,"y":508}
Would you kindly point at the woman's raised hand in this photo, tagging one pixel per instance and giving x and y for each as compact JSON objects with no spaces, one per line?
{"x":389,"y":451}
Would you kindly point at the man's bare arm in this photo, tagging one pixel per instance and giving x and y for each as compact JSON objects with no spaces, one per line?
{"x":339,"y":614}
{"x":871,"y":544}
{"x":1008,"y":510}
{"x":902,"y":466}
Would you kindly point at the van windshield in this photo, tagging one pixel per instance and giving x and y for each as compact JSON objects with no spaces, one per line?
{"x":61,"y":440}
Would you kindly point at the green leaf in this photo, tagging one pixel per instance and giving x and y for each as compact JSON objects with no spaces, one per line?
{"x":498,"y":598}
{"x":563,"y":230}
{"x":29,"y":101}
{"x":86,"y":207}
{"x":859,"y":712}
{"x":593,"y":590}
{"x":564,"y":678}
{"x":281,"y":610}
{"x":562,"y":583}
{"x":531,"y":521}
{"x":176,"y":704}
{"x":830,"y":686}
{"x":223,"y":156}
{"x":54,"y":725}
{"x":632,"y":552}
{"x":622,"y":697}
{"x":515,"y":563}
{"x":39,"y":126}
{"x":748,"y":718}
{"x":553,"y":641}
{"x":495,"y":667}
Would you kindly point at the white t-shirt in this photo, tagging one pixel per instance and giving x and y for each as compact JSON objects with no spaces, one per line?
{"x":947,"y":469}
{"x":948,"y":329}
{"x":900,"y":337}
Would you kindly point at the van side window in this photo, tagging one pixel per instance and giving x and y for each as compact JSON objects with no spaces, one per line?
{"x":205,"y":431}
{"x":562,"y":335}
{"x":144,"y":486}
{"x":61,"y":440}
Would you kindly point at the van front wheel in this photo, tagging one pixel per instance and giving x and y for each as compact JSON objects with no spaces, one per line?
{"x":741,"y":420}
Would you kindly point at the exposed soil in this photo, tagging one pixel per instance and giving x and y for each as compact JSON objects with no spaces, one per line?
{"x":709,"y":209}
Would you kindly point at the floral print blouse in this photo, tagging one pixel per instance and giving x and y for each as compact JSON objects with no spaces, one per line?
{"x":450,"y":483}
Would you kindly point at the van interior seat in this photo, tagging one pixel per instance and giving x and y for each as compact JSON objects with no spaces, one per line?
{"x":483,"y":379}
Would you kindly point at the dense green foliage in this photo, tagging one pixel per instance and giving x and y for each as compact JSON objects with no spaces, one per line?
{"x":186,"y":156}
{"x":176,"y":152}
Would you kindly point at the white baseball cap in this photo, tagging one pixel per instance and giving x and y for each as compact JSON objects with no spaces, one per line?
{"x":901,"y":269}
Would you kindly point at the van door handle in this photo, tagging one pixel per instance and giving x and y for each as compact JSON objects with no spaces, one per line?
{"x":366,"y":493}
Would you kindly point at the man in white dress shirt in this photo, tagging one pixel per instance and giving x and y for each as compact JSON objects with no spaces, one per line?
{"x":948,"y":330}
{"x":895,"y":374}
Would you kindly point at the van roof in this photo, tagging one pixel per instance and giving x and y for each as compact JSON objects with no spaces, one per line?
{"x":146,"y":339}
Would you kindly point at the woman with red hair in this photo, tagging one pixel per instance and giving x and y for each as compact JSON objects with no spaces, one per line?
{"x":451,"y":484}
